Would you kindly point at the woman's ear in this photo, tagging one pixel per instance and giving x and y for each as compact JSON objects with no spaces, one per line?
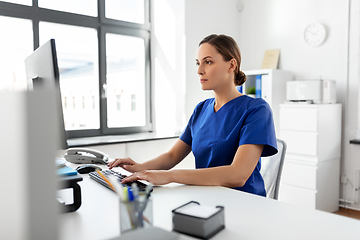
{"x":232,"y":65}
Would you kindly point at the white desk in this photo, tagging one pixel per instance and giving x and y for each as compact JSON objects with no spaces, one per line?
{"x":246,"y":216}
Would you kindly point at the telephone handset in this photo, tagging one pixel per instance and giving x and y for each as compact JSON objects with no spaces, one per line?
{"x":85,"y":156}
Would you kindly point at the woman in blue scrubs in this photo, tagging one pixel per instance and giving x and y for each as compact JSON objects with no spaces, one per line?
{"x":227,"y":134}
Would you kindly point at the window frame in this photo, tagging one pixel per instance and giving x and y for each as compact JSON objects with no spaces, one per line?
{"x":103,"y":26}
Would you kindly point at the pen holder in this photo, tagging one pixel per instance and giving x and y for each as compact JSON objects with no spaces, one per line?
{"x":135,"y":214}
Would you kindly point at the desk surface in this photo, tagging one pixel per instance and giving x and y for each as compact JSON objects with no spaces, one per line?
{"x":247,"y":216}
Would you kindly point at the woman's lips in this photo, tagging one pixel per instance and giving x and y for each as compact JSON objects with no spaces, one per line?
{"x":203,"y":80}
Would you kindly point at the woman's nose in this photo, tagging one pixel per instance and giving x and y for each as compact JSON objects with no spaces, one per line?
{"x":200,"y":70}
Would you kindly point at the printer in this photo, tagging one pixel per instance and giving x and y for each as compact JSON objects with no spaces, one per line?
{"x":311,"y":91}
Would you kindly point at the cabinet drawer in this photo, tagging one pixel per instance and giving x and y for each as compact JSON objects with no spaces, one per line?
{"x":299,"y":175}
{"x":298,"y":196}
{"x":299,"y":119}
{"x":303,"y":143}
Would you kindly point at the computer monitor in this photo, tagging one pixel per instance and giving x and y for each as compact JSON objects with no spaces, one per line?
{"x":42,"y":72}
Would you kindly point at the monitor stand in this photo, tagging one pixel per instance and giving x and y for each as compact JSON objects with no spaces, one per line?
{"x":71,"y":182}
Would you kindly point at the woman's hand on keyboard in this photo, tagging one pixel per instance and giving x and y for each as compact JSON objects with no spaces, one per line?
{"x":126,"y":163}
{"x":156,"y":177}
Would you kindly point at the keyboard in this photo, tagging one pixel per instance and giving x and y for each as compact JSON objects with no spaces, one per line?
{"x":95,"y":176}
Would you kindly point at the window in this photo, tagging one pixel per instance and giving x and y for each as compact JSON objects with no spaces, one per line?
{"x":126,"y":74}
{"x":24,"y":2}
{"x":93,"y":99}
{"x":14,"y":48}
{"x":77,"y":53}
{"x":133,"y":102}
{"x":125,"y":10}
{"x":74,"y":102}
{"x":85,"y":7}
{"x":103,"y":56}
{"x":118,"y":102}
{"x":83,"y":102}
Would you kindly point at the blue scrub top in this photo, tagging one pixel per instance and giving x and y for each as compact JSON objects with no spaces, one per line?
{"x":214,"y":137}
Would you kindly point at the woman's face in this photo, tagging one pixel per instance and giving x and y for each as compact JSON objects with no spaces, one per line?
{"x":213,"y":70}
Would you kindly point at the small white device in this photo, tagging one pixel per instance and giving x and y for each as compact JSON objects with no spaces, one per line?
{"x":86,"y":156}
{"x":312,"y":91}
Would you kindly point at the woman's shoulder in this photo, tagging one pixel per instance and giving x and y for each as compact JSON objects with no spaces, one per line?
{"x":204,"y":103}
{"x":251,"y":102}
{"x":202,"y":106}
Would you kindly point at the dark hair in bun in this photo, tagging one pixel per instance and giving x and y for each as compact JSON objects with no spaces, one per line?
{"x":229,"y":49}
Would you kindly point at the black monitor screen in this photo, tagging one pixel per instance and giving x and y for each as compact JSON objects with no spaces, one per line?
{"x":42,"y":72}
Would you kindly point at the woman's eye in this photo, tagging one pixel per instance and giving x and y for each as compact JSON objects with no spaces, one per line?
{"x":197,"y":63}
{"x":207,"y":62}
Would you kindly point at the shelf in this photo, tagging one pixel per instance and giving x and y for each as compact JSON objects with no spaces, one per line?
{"x":258,"y":71}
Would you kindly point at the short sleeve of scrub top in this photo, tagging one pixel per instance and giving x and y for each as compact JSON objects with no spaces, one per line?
{"x":214,"y":137}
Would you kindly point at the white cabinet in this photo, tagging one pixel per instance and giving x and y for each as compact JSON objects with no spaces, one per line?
{"x":311,"y":172}
{"x":273,"y":87}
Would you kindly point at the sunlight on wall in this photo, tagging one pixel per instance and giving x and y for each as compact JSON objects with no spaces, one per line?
{"x":164,"y":101}
{"x":164,"y":29}
{"x":168,"y":58}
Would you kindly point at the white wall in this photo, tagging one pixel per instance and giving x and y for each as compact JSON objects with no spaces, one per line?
{"x":263,"y":25}
{"x":168,"y":65}
{"x":281,"y":24}
{"x":202,"y":18}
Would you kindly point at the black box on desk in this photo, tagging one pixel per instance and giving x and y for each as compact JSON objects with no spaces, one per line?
{"x":198,"y":221}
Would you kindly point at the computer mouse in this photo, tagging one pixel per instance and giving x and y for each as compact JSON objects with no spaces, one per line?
{"x":87,"y":168}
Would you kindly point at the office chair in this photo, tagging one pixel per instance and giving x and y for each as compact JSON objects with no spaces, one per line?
{"x":271,"y":168}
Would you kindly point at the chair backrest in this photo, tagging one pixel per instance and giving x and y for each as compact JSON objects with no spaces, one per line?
{"x":271,"y":168}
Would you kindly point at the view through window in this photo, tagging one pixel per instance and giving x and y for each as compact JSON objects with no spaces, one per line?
{"x":125,"y":81}
{"x":103,"y":58}
{"x":77,"y":53}
{"x":14,"y":48}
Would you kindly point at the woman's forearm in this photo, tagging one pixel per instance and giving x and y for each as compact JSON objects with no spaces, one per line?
{"x":234,"y":175}
{"x":226,"y":176}
{"x":162,"y":162}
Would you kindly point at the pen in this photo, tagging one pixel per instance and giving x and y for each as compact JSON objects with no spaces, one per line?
{"x":118,"y":187}
{"x":106,"y":180}
{"x":135,"y":190}
{"x":131,"y":206}
{"x":128,"y":206}
{"x":145,"y":201}
{"x":130,"y":194}
{"x":140,"y":217}
{"x":148,"y":190}
{"x":125,"y":194}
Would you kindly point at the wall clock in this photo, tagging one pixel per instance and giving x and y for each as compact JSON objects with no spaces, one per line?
{"x":315,"y":34}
